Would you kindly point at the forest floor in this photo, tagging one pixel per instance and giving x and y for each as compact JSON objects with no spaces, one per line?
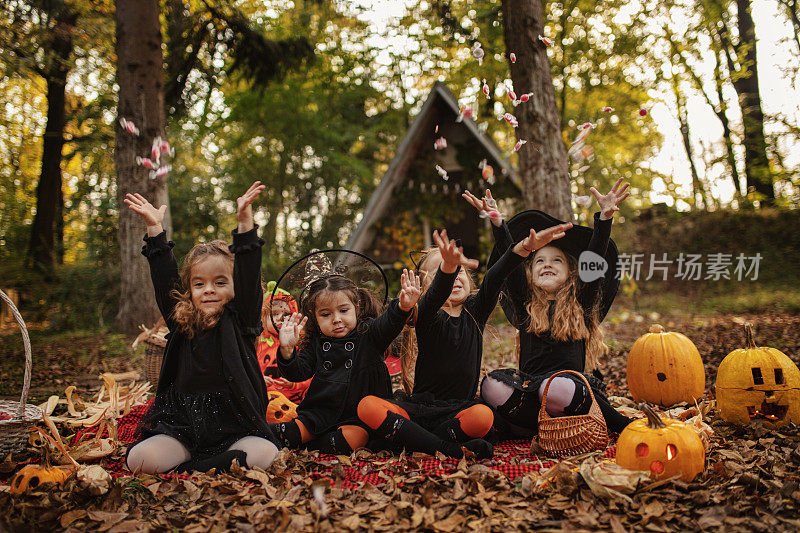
{"x":751,"y":481}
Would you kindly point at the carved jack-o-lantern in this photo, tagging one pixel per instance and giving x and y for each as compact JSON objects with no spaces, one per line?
{"x":758,"y":384}
{"x":34,"y":475}
{"x":662,"y":446}
{"x":280,"y":408}
{"x":665,"y":368}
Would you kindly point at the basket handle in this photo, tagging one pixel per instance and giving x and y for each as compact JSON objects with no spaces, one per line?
{"x":26,"y":342}
{"x":594,"y":409}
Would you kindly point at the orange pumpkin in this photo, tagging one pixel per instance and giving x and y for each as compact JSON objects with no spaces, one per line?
{"x":665,"y":368}
{"x":280,"y":408}
{"x":758,"y":384}
{"x":34,"y":475}
{"x":662,"y":446}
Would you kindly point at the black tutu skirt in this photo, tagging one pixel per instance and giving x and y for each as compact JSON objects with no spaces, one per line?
{"x":207,"y":423}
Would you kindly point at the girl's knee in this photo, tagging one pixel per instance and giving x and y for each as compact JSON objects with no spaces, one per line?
{"x":355,"y":436}
{"x":372,"y":411}
{"x":495,"y":392}
{"x":559,"y":395}
{"x":261,"y":456}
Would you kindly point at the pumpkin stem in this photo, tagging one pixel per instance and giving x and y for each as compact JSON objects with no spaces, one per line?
{"x":657,"y":328}
{"x":749,"y":339}
{"x":653,"y":420}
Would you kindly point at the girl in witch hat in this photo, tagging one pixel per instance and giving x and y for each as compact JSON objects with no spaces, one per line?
{"x":211,"y":403}
{"x":343,"y":347}
{"x":557,"y":314}
{"x":442,"y":412}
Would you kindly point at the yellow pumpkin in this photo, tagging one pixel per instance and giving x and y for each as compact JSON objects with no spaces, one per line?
{"x":665,"y":368}
{"x":32,"y":476}
{"x":662,"y":446}
{"x":280,"y":408}
{"x":758,"y":384}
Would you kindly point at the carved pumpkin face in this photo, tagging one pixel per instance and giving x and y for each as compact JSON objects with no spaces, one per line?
{"x":280,"y":408}
{"x":758,"y":384}
{"x":662,"y":446}
{"x":665,"y":369}
{"x":34,"y":475}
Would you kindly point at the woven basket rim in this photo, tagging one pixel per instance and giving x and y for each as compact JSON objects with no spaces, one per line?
{"x":32,"y":413}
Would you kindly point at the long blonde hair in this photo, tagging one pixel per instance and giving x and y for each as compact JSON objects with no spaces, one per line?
{"x":410,"y":349}
{"x":568,"y":322}
{"x":190,"y":320}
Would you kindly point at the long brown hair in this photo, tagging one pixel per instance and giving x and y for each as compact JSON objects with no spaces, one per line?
{"x":408,"y":354}
{"x":366,"y":303}
{"x":568,"y":323}
{"x":190,"y":320}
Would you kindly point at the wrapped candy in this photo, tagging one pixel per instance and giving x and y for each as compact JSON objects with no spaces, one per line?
{"x":511,"y":119}
{"x":513,"y":57}
{"x":525,"y":97}
{"x":485,"y":88}
{"x":440,"y":143}
{"x":608,"y":109}
{"x":144,"y":162}
{"x":545,"y":40}
{"x":487,"y":172}
{"x":583,"y":201}
{"x":477,"y":52}
{"x":519,"y":144}
{"x":442,"y":172}
{"x":465,"y":112}
{"x":642,"y":112}
{"x":161,"y":172}
{"x":129,"y":126}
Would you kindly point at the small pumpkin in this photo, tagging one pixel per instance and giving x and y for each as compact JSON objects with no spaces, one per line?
{"x":32,"y":476}
{"x":280,"y":408}
{"x":665,"y":368}
{"x":663,"y":446}
{"x":758,"y":383}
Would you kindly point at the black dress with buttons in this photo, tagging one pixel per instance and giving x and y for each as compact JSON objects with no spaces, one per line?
{"x":345,"y":370}
{"x":210,"y":390}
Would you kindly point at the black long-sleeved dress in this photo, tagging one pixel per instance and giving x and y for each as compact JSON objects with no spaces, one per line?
{"x":344,"y":370}
{"x":210,"y":390}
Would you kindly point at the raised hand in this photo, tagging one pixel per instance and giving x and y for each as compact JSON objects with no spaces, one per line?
{"x":452,"y":255}
{"x":608,"y":203}
{"x":244,"y":209}
{"x":410,"y":290}
{"x":486,"y":205}
{"x":289,"y":333}
{"x":535,"y":240}
{"x":152,"y":217}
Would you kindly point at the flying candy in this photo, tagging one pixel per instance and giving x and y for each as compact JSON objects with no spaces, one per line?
{"x":512,"y":94}
{"x":525,"y":97}
{"x":129,"y":126}
{"x":436,"y":129}
{"x":440,"y":143}
{"x":485,"y":88}
{"x":477,"y":52}
{"x":511,"y":119}
{"x":161,"y":172}
{"x":442,"y":172}
{"x":519,"y":144}
{"x":465,"y":112}
{"x":583,"y":201}
{"x":545,"y":40}
{"x":587,"y":125}
{"x":145,"y":162}
{"x":513,"y":57}
{"x":642,"y":112}
{"x":166,"y":149}
{"x":608,"y":109}
{"x":489,"y":214}
{"x":487,"y":172}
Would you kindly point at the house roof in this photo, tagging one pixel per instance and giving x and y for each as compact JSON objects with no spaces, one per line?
{"x":439,"y":96}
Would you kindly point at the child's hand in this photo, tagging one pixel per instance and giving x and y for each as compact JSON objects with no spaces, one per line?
{"x":411,"y":288}
{"x":486,"y":205}
{"x":608,"y":203}
{"x":534,"y":241}
{"x":452,"y":255}
{"x":289,"y":333}
{"x":152,"y":217}
{"x":244,"y":210}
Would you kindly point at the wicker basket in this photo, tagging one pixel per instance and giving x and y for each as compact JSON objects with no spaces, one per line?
{"x":572,"y":435}
{"x":14,"y":432}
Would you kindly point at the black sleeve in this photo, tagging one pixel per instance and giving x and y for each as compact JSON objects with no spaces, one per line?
{"x":163,"y":273}
{"x":516,"y":289}
{"x":436,"y":295}
{"x":486,"y":298}
{"x":502,"y":237}
{"x":598,"y":244}
{"x":248,"y":295}
{"x":300,"y":366}
{"x":383,"y":330}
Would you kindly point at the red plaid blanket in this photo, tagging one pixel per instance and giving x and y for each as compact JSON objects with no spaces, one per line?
{"x":512,"y":457}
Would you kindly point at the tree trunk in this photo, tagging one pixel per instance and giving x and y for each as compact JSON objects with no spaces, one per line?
{"x":543,"y":165}
{"x":722,"y":113}
{"x":140,"y":76}
{"x":48,"y":192}
{"x":698,"y":191}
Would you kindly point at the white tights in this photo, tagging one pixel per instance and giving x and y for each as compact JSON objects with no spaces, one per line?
{"x":162,"y":453}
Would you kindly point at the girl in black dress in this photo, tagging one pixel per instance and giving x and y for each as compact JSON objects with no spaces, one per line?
{"x":211,"y":403}
{"x":557,"y":314}
{"x":442,"y":410}
{"x":343,"y":349}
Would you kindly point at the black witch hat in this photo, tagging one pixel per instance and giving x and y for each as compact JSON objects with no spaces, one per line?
{"x":575,"y":240}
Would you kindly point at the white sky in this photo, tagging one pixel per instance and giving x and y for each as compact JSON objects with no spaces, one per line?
{"x":777,"y":93}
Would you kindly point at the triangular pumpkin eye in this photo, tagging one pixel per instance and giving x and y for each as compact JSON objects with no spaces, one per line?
{"x":778,"y":376}
{"x":758,"y":379}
